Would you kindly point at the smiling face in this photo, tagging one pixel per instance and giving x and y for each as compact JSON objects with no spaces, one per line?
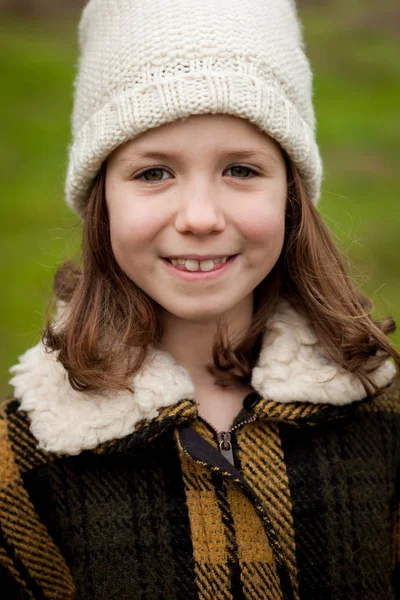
{"x":214,"y":186}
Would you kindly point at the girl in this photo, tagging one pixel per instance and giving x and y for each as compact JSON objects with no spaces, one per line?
{"x":213,"y":413}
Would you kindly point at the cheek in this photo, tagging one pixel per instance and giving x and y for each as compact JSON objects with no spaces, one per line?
{"x":133,"y":229}
{"x":264,"y":227}
{"x":133,"y":221}
{"x":262,"y":218}
{"x":132,"y":226}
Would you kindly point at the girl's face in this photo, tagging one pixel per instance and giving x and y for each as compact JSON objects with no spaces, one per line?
{"x":210,"y":186}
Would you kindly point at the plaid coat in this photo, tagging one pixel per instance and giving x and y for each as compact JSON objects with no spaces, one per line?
{"x":131,"y":497}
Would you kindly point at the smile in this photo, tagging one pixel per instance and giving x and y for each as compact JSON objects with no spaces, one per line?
{"x":190,"y":264}
{"x":193,"y":270}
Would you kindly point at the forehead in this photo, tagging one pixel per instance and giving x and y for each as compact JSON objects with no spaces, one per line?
{"x":220,"y":134}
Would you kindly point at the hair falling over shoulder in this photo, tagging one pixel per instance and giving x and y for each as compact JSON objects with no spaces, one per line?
{"x":107,"y":322}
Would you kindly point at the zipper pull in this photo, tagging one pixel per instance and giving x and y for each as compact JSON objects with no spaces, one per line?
{"x":225,"y":446}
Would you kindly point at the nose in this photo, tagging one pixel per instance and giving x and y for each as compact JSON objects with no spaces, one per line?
{"x":199,"y":213}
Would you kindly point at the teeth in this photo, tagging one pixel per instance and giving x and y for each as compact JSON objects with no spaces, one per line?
{"x":207,"y":265}
{"x":193,"y":265}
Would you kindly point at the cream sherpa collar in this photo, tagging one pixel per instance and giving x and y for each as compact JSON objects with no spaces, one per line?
{"x":291,"y":367}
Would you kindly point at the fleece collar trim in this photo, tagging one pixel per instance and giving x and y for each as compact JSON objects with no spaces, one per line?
{"x":291,"y":367}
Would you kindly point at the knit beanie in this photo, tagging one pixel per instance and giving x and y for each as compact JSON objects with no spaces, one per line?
{"x":144,"y":63}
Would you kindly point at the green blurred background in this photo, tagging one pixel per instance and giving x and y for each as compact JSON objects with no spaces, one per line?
{"x":353,"y":46}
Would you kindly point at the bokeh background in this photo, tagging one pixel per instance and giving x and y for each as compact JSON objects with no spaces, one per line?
{"x":353,"y":46}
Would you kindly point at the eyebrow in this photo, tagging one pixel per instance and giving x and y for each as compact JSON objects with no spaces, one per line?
{"x":231,"y":154}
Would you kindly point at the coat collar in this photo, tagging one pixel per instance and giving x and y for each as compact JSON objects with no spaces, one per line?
{"x":291,"y":368}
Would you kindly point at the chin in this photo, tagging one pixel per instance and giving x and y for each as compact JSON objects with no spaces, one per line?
{"x":197,"y":312}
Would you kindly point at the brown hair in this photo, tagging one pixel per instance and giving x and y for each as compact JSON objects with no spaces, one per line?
{"x":106,"y":315}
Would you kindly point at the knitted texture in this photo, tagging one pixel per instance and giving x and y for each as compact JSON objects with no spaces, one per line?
{"x":144,"y":64}
{"x":312,"y":511}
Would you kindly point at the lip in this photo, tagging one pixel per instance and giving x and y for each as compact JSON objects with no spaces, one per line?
{"x":221,"y":269}
{"x":198,"y":256}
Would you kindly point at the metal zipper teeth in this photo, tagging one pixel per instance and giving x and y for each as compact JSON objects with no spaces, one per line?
{"x":250,"y":420}
{"x":225,"y":445}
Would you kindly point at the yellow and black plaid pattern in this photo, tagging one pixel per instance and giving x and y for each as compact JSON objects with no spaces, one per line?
{"x":317,"y":498}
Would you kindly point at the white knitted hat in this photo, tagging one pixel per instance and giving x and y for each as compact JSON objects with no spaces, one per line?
{"x":145,"y":63}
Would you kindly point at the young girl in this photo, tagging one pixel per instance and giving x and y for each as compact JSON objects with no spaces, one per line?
{"x":212,"y":413}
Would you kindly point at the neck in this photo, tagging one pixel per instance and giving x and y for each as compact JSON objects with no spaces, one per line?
{"x":190,"y":342}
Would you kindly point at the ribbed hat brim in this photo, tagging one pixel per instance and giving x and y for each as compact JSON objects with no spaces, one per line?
{"x":138,"y":109}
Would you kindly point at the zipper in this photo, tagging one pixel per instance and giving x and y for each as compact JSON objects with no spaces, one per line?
{"x":201,"y":456}
{"x":225,"y":438}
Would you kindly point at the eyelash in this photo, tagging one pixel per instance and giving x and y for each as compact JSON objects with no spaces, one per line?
{"x":139,"y":177}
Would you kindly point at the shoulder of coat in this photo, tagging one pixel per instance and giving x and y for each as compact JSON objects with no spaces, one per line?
{"x":386,"y":401}
{"x":19,"y":450}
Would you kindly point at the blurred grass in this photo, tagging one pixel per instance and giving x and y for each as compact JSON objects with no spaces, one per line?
{"x":353,"y":52}
{"x":36,"y":227}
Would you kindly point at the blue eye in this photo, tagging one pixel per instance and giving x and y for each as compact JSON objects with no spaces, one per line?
{"x":154,"y":170}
